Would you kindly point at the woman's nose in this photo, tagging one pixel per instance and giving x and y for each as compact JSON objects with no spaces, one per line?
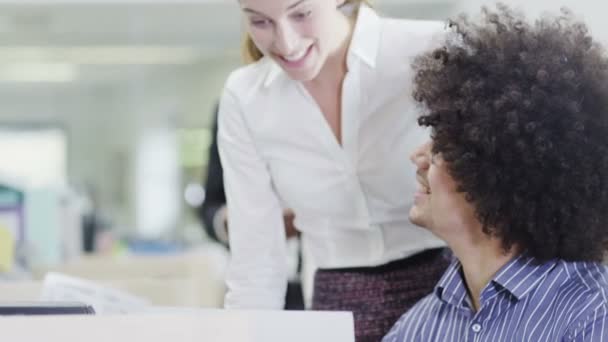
{"x":285,"y":39}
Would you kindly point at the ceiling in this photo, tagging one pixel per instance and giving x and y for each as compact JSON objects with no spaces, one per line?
{"x":148,"y":33}
{"x":48,"y":46}
{"x":113,"y":40}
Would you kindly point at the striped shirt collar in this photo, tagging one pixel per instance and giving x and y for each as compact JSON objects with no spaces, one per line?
{"x":364,"y":43}
{"x":516,"y":278}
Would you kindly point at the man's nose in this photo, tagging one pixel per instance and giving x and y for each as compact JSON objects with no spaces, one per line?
{"x":420,"y":156}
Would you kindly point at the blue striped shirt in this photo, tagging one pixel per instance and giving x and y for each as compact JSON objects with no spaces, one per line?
{"x":524,"y":301}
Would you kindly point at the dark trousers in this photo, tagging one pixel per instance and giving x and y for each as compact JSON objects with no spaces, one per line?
{"x":294,"y":299}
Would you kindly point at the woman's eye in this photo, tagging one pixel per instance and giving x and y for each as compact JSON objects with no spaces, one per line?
{"x":302,"y":15}
{"x":260,"y":22}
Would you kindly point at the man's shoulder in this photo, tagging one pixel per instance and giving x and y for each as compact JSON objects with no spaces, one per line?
{"x":585,"y":291}
{"x":585,"y":294}
{"x":587,"y":279}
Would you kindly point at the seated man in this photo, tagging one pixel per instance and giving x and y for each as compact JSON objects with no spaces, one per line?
{"x":515,"y":180}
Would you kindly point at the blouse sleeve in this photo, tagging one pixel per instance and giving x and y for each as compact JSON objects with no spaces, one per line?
{"x":257,"y":272}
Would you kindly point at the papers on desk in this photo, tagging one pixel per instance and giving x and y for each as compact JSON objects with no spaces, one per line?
{"x":105,"y":300}
{"x":144,"y":322}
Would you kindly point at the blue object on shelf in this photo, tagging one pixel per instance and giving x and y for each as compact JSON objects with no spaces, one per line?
{"x":153,"y":247}
{"x":12,"y":215}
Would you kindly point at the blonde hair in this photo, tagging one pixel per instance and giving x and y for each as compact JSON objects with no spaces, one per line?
{"x":252,"y":54}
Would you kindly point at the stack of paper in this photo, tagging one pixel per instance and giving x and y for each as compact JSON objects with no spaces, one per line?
{"x":63,"y":288}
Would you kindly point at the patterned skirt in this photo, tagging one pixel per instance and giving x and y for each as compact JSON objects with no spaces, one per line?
{"x":378,"y":296}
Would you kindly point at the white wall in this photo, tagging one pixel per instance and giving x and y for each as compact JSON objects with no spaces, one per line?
{"x":593,"y":12}
{"x":110,"y":116}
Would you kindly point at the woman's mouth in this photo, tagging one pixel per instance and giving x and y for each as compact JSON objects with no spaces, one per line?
{"x":297,"y":59}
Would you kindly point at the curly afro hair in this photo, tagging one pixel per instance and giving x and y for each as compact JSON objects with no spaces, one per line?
{"x":519,"y":111}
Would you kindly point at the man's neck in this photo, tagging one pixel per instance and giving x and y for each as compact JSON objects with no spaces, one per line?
{"x":480,"y":258}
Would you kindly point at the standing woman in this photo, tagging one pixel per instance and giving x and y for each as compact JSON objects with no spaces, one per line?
{"x":320,"y":122}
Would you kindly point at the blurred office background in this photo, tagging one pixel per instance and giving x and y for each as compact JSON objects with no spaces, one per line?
{"x":105,"y":114}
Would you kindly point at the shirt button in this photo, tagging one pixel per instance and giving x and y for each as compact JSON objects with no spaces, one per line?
{"x":476,"y":327}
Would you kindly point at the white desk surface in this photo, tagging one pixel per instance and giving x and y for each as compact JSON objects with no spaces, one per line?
{"x":176,"y":325}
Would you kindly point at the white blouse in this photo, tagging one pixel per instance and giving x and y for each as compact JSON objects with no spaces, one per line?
{"x":351,"y":201}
